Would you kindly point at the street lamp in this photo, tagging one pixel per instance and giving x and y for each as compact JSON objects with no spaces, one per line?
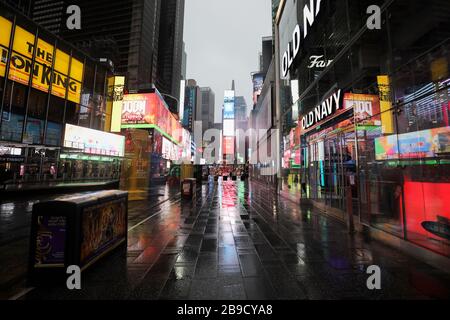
{"x":170,"y":96}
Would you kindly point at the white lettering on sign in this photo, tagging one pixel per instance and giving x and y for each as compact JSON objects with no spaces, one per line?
{"x":318,"y":62}
{"x":322,"y":111}
{"x":135,"y":107}
{"x":309,"y":15}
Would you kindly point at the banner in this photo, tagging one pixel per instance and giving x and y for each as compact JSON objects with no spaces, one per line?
{"x":21,"y":64}
{"x":5,"y":37}
{"x":387,"y":119}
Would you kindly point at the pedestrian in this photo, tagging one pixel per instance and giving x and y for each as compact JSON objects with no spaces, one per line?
{"x":303,"y":182}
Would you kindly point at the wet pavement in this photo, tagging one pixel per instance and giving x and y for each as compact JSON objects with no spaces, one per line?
{"x":239,"y":240}
{"x":15,"y":219}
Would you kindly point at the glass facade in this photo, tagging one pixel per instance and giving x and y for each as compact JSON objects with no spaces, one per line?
{"x":387,"y":142}
{"x":44,"y":85}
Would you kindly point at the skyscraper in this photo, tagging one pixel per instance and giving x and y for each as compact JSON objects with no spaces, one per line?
{"x":170,"y":58}
{"x":123,"y":31}
{"x":49,"y":14}
{"x":208,"y":106}
{"x":144,"y":39}
{"x":24,"y":6}
{"x":184,"y":63}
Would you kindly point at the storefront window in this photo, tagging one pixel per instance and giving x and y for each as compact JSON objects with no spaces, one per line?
{"x":84,"y":119}
{"x":37,"y":109}
{"x":72,"y":113}
{"x":13,"y":112}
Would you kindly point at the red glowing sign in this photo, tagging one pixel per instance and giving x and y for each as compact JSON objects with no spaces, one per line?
{"x":428,"y":215}
{"x":228,"y":145}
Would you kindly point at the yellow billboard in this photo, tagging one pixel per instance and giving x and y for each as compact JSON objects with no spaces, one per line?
{"x":5,"y":37}
{"x":21,"y":64}
{"x":62,"y":61}
{"x":116,"y":90}
{"x":21,"y":58}
{"x":387,"y":118}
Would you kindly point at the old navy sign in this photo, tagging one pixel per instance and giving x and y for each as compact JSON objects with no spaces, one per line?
{"x":309,"y":16}
{"x":323,"y":111}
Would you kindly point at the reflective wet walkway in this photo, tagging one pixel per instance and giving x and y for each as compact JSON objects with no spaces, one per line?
{"x":240,"y":241}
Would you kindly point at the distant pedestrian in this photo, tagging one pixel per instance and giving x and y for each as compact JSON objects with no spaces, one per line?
{"x":303,"y":182}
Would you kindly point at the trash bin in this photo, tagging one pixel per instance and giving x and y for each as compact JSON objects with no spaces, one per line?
{"x":188,"y":188}
{"x":75,"y":230}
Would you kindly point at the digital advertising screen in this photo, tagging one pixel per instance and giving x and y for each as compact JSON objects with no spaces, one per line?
{"x":45,"y":56}
{"x":421,"y":144}
{"x":258,"y":83}
{"x":229,"y":128}
{"x":228,"y":145}
{"x":94,"y":141}
{"x":365,"y":106}
{"x":229,"y":105}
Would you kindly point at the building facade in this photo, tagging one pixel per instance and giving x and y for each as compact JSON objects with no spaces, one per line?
{"x":53,"y":98}
{"x":171,"y":50}
{"x":366,"y":114}
{"x":192,"y":105}
{"x":143,"y":39}
{"x":208,"y":108}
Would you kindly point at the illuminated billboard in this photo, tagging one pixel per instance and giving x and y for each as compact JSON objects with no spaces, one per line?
{"x":228,"y":145}
{"x":258,"y":83}
{"x":170,"y":151}
{"x":147,"y":111}
{"x":228,"y":105}
{"x":228,"y":128}
{"x":63,"y":82}
{"x":94,"y":141}
{"x":115,"y":101}
{"x":415,"y":145}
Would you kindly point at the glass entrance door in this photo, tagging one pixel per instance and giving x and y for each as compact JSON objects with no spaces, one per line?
{"x":333,"y":172}
{"x":340,"y":170}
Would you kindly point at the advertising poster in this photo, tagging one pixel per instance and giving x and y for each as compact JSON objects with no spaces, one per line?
{"x":50,"y":241}
{"x":5,"y":36}
{"x":228,"y":145}
{"x":115,"y":101}
{"x":287,"y":159}
{"x":387,"y":119}
{"x":228,"y":105}
{"x":228,"y":128}
{"x":366,"y":108}
{"x":103,"y":226}
{"x":258,"y":83}
{"x":45,"y":57}
{"x":415,"y":145}
{"x":62,"y":62}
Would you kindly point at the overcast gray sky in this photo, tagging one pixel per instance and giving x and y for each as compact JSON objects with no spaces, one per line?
{"x":223,"y":42}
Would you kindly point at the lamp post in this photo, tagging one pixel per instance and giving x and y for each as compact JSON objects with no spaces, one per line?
{"x":171,"y":97}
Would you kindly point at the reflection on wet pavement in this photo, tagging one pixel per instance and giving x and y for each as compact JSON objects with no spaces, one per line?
{"x":241,"y":241}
